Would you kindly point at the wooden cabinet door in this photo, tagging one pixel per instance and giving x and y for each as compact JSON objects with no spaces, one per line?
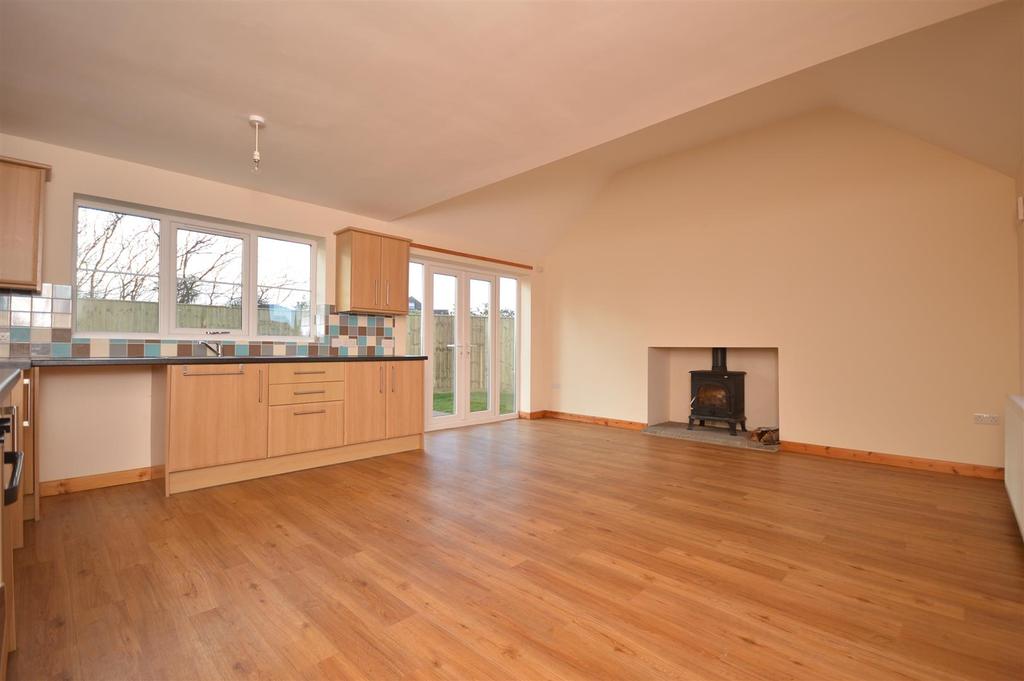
{"x":404,"y":398}
{"x":217,"y":415}
{"x":21,"y":198}
{"x":365,"y":273}
{"x":394,"y":267}
{"x":365,"y":402}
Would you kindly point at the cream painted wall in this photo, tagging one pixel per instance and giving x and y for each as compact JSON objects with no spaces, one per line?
{"x":94,"y":420}
{"x":882,"y":267}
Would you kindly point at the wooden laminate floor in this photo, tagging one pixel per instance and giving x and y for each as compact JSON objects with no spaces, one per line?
{"x":532,"y":550}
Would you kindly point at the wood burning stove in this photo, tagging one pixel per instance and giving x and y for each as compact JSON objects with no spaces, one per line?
{"x":717,"y":395}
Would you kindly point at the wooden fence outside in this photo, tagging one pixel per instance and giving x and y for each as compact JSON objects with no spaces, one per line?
{"x":444,"y":335}
{"x":142,"y":317}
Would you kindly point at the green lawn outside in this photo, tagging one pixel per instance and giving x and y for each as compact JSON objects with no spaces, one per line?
{"x":477,"y":401}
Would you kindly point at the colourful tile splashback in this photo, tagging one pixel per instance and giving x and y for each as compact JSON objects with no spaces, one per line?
{"x":40,"y":326}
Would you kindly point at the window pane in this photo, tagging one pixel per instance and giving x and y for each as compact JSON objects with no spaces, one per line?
{"x":414,"y":345}
{"x":283,"y":287}
{"x":209,"y":281}
{"x":508,"y":302}
{"x":117,"y":272}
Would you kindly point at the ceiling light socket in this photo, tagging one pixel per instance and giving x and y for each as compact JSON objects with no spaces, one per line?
{"x":257,"y":121}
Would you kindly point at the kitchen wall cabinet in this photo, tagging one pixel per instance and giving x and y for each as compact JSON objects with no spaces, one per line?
{"x":22,"y":190}
{"x":372,"y":272}
{"x":217,"y":414}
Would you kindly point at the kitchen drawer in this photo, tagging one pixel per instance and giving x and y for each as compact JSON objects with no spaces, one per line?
{"x":306,"y":427}
{"x":302,"y":393}
{"x":307,"y":372}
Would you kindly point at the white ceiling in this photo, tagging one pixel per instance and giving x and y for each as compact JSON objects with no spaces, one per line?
{"x":386,"y":108}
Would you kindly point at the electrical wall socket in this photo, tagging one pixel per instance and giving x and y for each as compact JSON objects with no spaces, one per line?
{"x":986,"y":419}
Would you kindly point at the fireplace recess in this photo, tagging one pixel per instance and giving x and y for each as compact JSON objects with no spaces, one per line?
{"x":717,"y":394}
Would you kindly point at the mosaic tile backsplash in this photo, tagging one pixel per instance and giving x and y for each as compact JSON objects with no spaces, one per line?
{"x":39,"y":325}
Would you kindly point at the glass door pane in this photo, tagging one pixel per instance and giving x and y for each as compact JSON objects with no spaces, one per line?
{"x":508,"y":313}
{"x":479,"y":345}
{"x":444,"y":333}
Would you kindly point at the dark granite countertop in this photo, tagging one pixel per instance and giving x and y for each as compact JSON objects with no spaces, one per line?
{"x":10,"y":372}
{"x":163,"y":361}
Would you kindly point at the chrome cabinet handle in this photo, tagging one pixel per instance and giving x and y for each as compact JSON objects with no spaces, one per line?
{"x":308,"y":392}
{"x":239,"y":370}
{"x":307,"y":413}
{"x":302,"y":373}
{"x":15,"y":436}
{"x":27,"y":423}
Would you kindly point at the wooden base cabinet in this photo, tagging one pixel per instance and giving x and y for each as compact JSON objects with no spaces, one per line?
{"x":217,"y":414}
{"x":366,"y":397}
{"x":385,"y":400}
{"x":230,"y":422}
{"x":404,"y":398}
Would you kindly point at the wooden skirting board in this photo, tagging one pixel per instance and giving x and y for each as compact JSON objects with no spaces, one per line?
{"x":49,"y":488}
{"x":935,"y":465}
{"x":583,"y":418}
{"x":183,"y":481}
{"x":949,"y":467}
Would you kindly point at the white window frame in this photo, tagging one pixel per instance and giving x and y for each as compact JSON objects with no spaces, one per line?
{"x":170,"y":222}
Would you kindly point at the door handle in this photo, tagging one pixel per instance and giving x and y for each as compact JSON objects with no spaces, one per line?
{"x":387,"y":292}
{"x":308,"y":392}
{"x":259,"y":386}
{"x":392,"y":378}
{"x":308,"y":413}
{"x":303,"y":373}
{"x":382,"y":379}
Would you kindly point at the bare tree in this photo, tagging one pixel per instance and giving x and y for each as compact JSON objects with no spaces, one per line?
{"x":117,"y":260}
{"x":217,"y":256}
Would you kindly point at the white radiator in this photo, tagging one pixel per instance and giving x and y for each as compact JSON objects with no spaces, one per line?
{"x":1014,"y":471}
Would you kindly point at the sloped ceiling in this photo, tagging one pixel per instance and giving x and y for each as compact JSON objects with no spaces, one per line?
{"x":957,"y":84}
{"x":383,"y":108}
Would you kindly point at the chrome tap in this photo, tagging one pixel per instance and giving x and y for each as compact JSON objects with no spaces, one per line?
{"x":213,"y":346}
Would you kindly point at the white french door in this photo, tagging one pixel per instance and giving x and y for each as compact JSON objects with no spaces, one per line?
{"x":461,"y":335}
